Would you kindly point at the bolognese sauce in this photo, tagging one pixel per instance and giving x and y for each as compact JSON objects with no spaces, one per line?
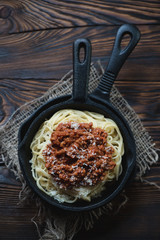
{"x":78,"y":155}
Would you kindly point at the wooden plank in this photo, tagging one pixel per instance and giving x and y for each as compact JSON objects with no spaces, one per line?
{"x":119,"y":227}
{"x":31,"y":15}
{"x":15,"y":219}
{"x":48,"y":54}
{"x":143,"y":203}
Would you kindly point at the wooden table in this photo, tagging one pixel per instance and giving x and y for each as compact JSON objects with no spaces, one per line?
{"x":36,"y":51}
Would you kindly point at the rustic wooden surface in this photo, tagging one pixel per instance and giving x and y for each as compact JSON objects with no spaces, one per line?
{"x":36,"y":51}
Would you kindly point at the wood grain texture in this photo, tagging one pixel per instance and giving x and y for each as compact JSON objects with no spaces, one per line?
{"x":13,"y":95}
{"x":48,"y":54}
{"x":36,"y":51}
{"x":15,"y":220}
{"x":135,"y":216}
{"x":31,"y":15}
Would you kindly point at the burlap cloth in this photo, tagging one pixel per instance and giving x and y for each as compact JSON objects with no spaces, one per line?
{"x":59,"y":225}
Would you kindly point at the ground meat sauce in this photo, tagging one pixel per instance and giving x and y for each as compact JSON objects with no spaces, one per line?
{"x":78,"y":155}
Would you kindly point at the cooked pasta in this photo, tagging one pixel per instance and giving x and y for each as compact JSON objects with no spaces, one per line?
{"x":42,"y":139}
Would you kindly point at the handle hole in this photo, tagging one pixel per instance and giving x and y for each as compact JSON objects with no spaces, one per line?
{"x":82,"y":53}
{"x":125,"y":41}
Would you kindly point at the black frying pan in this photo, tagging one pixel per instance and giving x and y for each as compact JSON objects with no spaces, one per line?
{"x":98,"y":101}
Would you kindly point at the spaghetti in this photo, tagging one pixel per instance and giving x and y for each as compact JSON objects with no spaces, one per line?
{"x":54,"y":167}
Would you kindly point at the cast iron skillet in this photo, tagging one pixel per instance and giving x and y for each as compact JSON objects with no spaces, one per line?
{"x":97,"y":101}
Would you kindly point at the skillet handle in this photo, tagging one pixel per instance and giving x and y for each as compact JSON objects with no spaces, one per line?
{"x":117,"y":59}
{"x":81,"y":69}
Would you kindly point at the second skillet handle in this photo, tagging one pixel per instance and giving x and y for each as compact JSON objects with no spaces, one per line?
{"x":81,"y":69}
{"x":117,"y":59}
